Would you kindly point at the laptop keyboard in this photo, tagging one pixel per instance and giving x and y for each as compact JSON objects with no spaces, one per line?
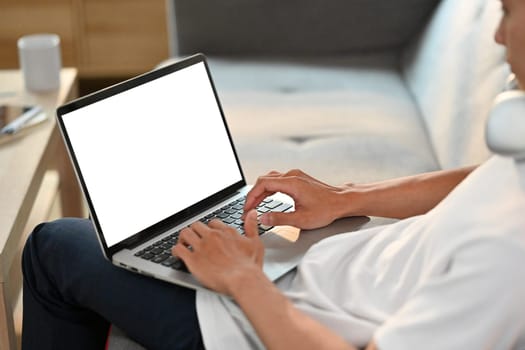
{"x":231,"y":214}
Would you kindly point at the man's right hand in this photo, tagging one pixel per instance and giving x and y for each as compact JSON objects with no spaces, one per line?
{"x":316,"y":203}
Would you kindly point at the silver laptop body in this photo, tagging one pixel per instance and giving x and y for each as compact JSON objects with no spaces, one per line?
{"x":154,"y":154}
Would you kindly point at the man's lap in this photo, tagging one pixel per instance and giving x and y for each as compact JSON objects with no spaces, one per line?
{"x":63,"y":261}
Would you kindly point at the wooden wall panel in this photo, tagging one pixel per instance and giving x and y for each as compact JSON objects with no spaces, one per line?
{"x":22,"y":17}
{"x":138,"y":39}
{"x":102,"y":38}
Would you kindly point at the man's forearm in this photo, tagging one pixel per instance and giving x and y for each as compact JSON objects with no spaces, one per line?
{"x":276,"y":320}
{"x":403,"y":197}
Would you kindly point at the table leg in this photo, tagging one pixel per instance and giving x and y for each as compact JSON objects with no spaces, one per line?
{"x":7,"y":329}
{"x":70,"y":196}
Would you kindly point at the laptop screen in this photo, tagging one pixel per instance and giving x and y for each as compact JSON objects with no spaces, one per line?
{"x":149,"y":152}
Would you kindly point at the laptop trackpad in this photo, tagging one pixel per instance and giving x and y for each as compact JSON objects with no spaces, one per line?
{"x":286,"y":245}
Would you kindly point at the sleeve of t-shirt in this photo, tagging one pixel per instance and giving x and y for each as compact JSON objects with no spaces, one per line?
{"x":478,"y":303}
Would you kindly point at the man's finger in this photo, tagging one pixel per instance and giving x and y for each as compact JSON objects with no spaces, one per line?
{"x":266,"y":186}
{"x":274,"y":173}
{"x":189,"y":237}
{"x":218,"y":224}
{"x":250,"y":224}
{"x":200,"y":228}
{"x":181,"y":252}
{"x":255,"y":196}
{"x":259,"y":191}
{"x":277,"y":218}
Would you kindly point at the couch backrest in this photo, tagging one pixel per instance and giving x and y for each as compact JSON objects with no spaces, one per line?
{"x":454,"y":71}
{"x":295,"y":27}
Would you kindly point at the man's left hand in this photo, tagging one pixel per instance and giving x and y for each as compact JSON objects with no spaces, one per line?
{"x":218,"y":256}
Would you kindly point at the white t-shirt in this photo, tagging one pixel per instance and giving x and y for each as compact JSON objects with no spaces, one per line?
{"x":451,"y":279}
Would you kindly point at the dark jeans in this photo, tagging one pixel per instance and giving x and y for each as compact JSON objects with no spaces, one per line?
{"x":72,"y":294}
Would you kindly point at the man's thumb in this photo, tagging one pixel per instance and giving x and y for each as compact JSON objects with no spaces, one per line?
{"x":276,"y":219}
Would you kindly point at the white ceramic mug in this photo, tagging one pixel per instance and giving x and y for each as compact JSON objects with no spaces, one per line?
{"x":40,"y":61}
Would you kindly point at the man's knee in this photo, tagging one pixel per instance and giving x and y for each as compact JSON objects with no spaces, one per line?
{"x":58,"y":231}
{"x":50,"y":240}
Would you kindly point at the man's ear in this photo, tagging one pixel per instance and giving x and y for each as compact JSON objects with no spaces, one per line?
{"x":505,"y":130}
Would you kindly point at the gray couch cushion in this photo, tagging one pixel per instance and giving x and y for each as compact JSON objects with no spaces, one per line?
{"x":294,"y":27}
{"x":341,"y":119}
{"x":119,"y":341}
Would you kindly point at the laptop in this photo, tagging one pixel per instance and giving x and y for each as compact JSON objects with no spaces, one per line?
{"x":154,"y":154}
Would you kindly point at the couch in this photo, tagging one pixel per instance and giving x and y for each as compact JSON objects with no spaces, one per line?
{"x":348,"y":90}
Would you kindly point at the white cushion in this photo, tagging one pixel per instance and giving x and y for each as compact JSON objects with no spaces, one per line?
{"x":454,"y":71}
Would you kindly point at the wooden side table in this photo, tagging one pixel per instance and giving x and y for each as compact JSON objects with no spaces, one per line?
{"x":24,"y":163}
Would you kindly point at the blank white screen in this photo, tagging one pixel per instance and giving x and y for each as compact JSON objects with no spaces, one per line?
{"x":149,"y":152}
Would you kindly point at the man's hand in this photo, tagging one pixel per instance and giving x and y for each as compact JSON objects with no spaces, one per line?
{"x":218,"y":256}
{"x":316,"y":203}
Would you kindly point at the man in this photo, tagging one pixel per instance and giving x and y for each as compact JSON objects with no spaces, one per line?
{"x":449,"y":276}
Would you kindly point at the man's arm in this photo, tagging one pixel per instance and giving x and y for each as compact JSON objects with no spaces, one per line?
{"x":279,"y":324}
{"x":404,"y":197}
{"x":318,"y":204}
{"x":231,"y":264}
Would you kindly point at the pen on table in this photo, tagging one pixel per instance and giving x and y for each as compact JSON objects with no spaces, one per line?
{"x":19,"y":122}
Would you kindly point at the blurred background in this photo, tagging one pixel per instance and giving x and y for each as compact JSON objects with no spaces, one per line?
{"x":107,"y":40}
